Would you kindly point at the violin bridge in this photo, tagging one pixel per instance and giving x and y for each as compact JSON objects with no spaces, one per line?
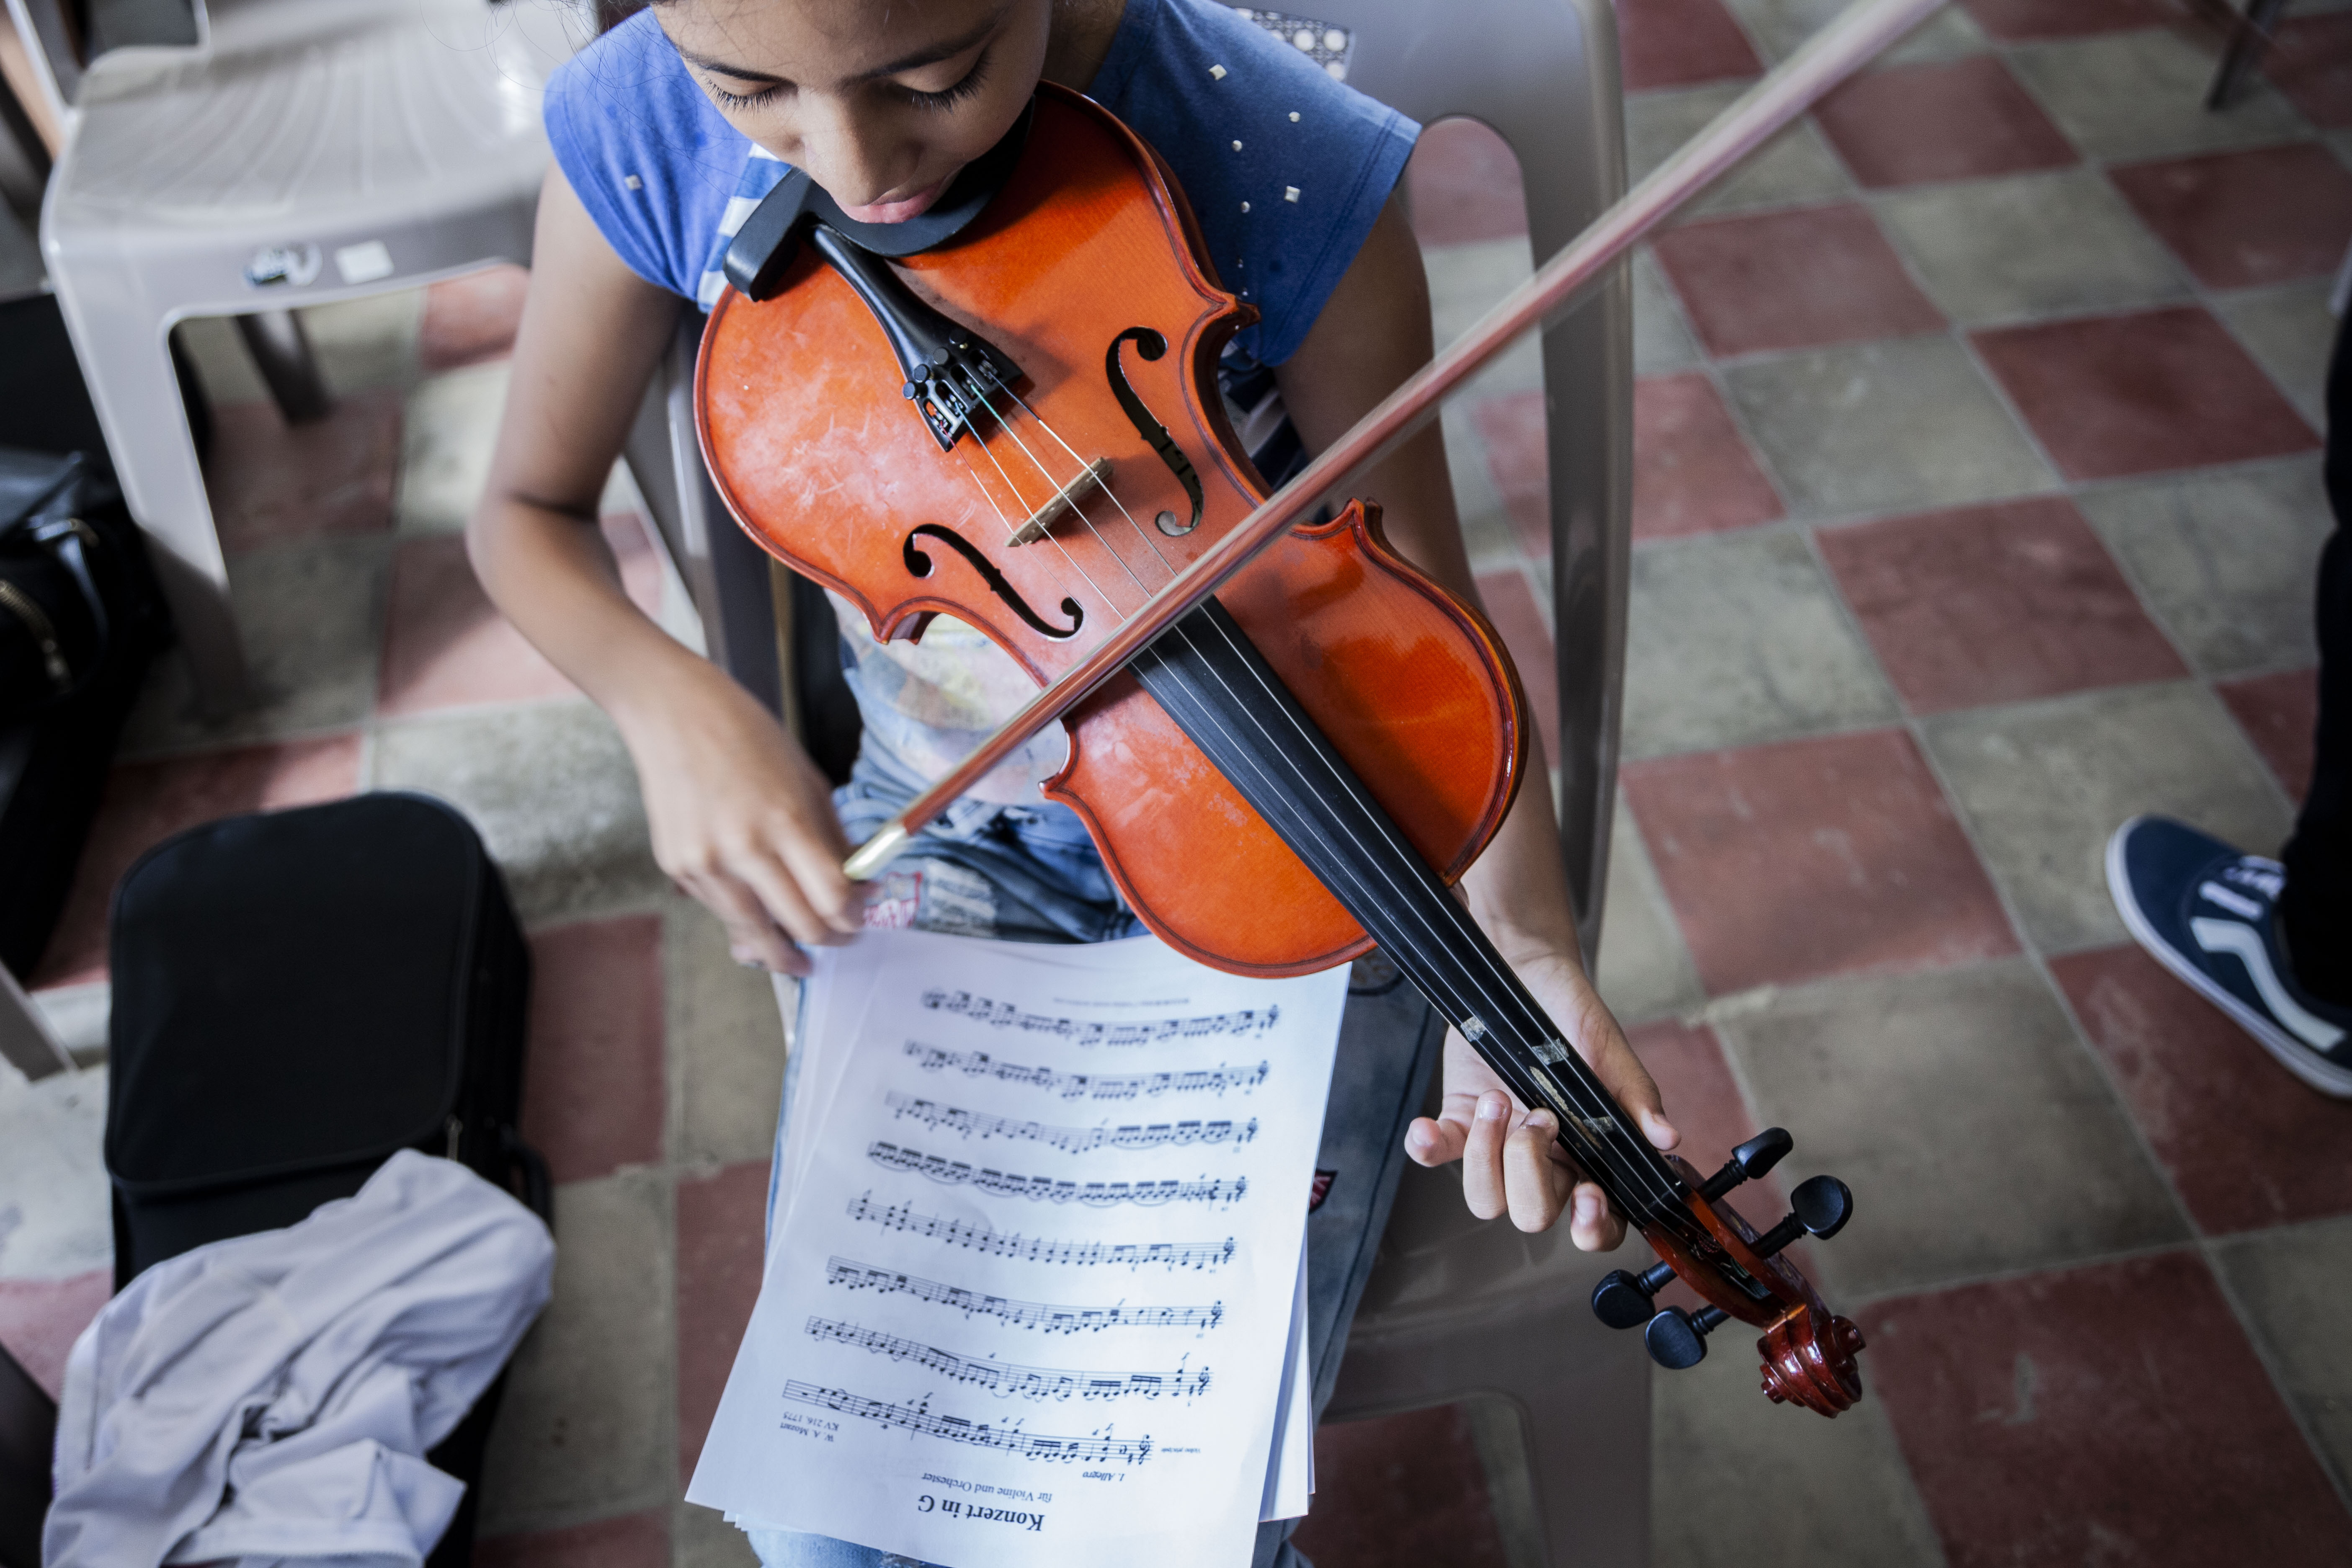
{"x":1041,"y":522}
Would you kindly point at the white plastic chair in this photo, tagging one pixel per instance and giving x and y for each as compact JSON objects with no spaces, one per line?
{"x":1455,"y":1309}
{"x":301,"y":151}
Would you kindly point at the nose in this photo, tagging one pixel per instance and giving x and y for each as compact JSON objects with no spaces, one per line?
{"x":850,"y":151}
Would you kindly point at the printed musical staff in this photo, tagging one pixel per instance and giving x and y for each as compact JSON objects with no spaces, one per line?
{"x":978,"y":1237}
{"x":1141,"y":1032}
{"x":1038,"y":1315}
{"x":1045,"y":1189}
{"x":1088,"y":1085}
{"x":1028,"y":1381}
{"x":1069,"y":1140}
{"x":918,"y":1417}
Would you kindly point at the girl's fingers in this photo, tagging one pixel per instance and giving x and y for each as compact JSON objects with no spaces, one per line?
{"x":780,"y":893}
{"x":1483,"y":1185}
{"x":1592,"y":1224}
{"x":1536,"y":1185}
{"x":751,"y":935}
{"x":1430,"y":1142}
{"x":815,"y":867}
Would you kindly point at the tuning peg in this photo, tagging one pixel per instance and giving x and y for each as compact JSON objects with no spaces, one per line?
{"x":1676,"y":1339}
{"x":1621,"y":1300}
{"x":1818,"y":1208}
{"x":1749,"y":1161}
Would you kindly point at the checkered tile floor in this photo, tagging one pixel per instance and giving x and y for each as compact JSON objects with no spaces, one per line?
{"x":1977,"y":502}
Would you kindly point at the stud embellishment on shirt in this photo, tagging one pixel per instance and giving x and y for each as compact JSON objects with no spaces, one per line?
{"x":634,"y":182}
{"x":1290,"y":193}
{"x":1293,"y":117}
{"x":1237,"y":146}
{"x":1245,"y":206}
{"x":1216,"y":73}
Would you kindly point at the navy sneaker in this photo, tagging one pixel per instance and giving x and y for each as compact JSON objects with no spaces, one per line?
{"x":2206,"y":913}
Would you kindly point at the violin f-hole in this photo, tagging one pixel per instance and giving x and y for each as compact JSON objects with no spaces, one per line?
{"x":1152,"y":345}
{"x":920,"y":565}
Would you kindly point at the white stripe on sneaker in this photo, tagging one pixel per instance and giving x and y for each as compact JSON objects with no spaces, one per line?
{"x":2236,"y":903}
{"x":2228,"y":936}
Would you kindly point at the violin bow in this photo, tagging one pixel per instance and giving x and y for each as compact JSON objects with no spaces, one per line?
{"x":1858,"y":35}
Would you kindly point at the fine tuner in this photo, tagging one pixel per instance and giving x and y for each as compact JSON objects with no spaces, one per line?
{"x":1676,"y":1338}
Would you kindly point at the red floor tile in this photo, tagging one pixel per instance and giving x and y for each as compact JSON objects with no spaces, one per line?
{"x":146,"y":802}
{"x":1692,"y":472}
{"x":632,"y":1540}
{"x":1677,"y":43}
{"x":40,"y":1319}
{"x":2110,"y":395}
{"x":2280,"y":713}
{"x":1511,"y":606}
{"x":2239,"y":219}
{"x":2108,"y":1415}
{"x":1994,"y":604}
{"x":1464,"y":186}
{"x":2020,"y":21}
{"x":1806,"y":858}
{"x":2179,"y":1061}
{"x":721,"y":1244}
{"x":270,"y":483}
{"x":1960,"y":120}
{"x":593,"y":1082}
{"x":1400,"y":1492}
{"x":471,"y":319}
{"x":446,"y":645}
{"x":2312,"y":65}
{"x":1512,"y":429}
{"x":1792,"y":280}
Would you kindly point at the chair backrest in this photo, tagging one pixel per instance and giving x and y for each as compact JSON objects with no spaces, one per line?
{"x":1543,"y":75}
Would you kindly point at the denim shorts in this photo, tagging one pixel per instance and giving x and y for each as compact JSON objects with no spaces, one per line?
{"x":1031,"y":874}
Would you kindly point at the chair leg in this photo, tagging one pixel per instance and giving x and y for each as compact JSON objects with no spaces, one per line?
{"x":281,"y":352}
{"x":2247,"y":44}
{"x":128,"y":366}
{"x":26,"y":1042}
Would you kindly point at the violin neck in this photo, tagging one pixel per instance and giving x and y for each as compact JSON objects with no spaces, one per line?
{"x":1225,"y":696}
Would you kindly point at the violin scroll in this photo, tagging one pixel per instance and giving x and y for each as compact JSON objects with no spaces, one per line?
{"x":1808,"y":1351}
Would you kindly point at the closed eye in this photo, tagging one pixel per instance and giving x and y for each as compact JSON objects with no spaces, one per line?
{"x":742,"y":100}
{"x":948,"y":98}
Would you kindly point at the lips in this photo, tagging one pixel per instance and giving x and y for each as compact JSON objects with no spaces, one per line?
{"x":901,"y":210}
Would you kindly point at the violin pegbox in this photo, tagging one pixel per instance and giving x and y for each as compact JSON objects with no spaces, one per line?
{"x":1808,"y":1351}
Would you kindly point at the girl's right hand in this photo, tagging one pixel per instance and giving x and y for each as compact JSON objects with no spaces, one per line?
{"x":742,"y":820}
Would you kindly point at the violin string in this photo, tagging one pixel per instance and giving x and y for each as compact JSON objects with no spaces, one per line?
{"x":1149,"y":543}
{"x":1636,"y":1177}
{"x":1047,"y":474}
{"x":1012,"y":528}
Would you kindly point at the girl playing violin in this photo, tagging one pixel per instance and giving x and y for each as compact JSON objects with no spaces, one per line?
{"x":667,"y":130}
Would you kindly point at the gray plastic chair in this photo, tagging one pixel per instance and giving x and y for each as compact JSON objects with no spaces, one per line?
{"x":1455,"y":1309}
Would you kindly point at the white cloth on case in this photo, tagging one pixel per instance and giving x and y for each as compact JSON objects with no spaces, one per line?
{"x":269,"y":1398}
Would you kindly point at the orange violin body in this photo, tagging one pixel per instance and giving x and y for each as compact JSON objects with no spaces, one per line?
{"x":1084,"y":265}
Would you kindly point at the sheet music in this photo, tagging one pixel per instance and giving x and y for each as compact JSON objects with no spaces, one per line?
{"x":1035,"y":1292}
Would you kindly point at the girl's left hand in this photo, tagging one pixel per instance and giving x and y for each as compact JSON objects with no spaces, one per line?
{"x":1512,"y":1160}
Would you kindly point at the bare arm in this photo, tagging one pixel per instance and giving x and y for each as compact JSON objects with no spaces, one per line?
{"x":1373,"y":332}
{"x":740,"y":817}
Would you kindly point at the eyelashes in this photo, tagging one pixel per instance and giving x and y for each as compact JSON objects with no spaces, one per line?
{"x":969,"y":88}
{"x":936,"y":102}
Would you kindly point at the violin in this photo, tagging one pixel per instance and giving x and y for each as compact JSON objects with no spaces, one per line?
{"x":1006,"y":411}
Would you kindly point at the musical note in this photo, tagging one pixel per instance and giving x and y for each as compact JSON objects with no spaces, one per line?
{"x":1007,"y":1016}
{"x":1093,"y":1195}
{"x":1070,"y":1140}
{"x":1090,"y":1086}
{"x":1028,"y":1381}
{"x":978,"y":1237}
{"x":917,"y":1418}
{"x":1035,"y":1315}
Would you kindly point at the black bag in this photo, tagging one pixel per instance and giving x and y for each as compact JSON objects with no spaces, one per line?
{"x":298,"y":995}
{"x":105,"y":617}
